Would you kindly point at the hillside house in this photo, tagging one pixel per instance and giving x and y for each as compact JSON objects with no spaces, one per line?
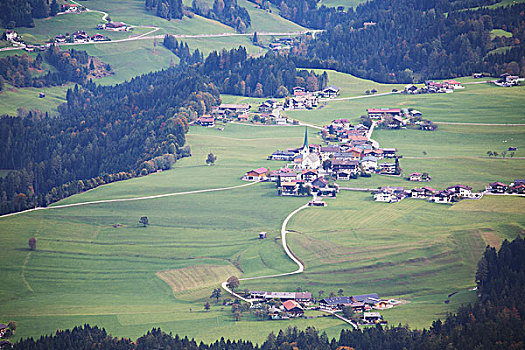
{"x":60,"y":38}
{"x":341,"y":123}
{"x":460,"y":190}
{"x":345,"y":169}
{"x":228,"y":109}
{"x":299,"y":91}
{"x":116,"y":26}
{"x":497,"y":187}
{"x":372,"y":318}
{"x":369,"y":163}
{"x":309,"y":175}
{"x":267,"y":106}
{"x":99,"y":37}
{"x":379,"y":113}
{"x":335,"y":303}
{"x":422,"y":193}
{"x":69,"y":8}
{"x":330,"y":92}
{"x":293,"y":308}
{"x":289,"y":188}
{"x":11,"y":35}
{"x":389,"y":194}
{"x":259,"y":174}
{"x":416,"y":177}
{"x":389,"y":152}
{"x":3,"y":329}
{"x":452,"y":84}
{"x":442,"y":197}
{"x":410,"y":89}
{"x":282,"y":155}
{"x":387,"y":168}
{"x":206,"y":120}
{"x":243,"y":118}
{"x":287,"y":176}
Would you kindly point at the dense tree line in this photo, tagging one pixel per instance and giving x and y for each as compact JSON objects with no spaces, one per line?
{"x":167,"y":9}
{"x":224,"y":11}
{"x":71,"y":66}
{"x":102,"y":134}
{"x":265,"y":76}
{"x":182,"y":51}
{"x":234,"y":72}
{"x":409,"y":41}
{"x":495,"y":321}
{"x":20,"y":13}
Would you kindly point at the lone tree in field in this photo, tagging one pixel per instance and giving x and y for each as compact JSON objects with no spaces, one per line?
{"x":321,"y":292}
{"x":144,"y":221}
{"x":211,"y":159}
{"x":340,"y":292}
{"x":233,"y":282}
{"x":207,"y":306}
{"x":489,"y":153}
{"x":32,"y":243}
{"x":216,"y":294}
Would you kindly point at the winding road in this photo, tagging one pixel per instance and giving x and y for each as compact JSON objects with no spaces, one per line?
{"x":300,"y":269}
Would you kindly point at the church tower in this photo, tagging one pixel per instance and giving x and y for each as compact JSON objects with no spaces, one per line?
{"x":306,"y":148}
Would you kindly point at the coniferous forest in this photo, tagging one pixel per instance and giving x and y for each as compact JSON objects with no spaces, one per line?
{"x":20,"y":13}
{"x":494,"y":321}
{"x":410,"y":41}
{"x":106,"y":134}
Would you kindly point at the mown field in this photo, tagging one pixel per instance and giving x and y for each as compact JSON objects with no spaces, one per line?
{"x":477,"y":103}
{"x":96,"y":264}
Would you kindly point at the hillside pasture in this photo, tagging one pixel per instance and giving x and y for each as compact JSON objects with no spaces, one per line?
{"x":29,"y":98}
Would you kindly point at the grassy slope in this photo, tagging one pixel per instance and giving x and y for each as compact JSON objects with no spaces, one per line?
{"x":478,"y":103}
{"x":337,"y":3}
{"x":87,"y":271}
{"x":11,"y":99}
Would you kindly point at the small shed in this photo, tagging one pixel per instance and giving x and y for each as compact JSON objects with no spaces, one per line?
{"x":262,"y":235}
{"x":42,"y":95}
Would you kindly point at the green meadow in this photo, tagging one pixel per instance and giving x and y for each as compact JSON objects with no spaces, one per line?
{"x":477,"y":103}
{"x":96,"y":264}
{"x":11,"y":99}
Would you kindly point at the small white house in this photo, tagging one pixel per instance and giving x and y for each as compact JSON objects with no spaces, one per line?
{"x":11,"y":35}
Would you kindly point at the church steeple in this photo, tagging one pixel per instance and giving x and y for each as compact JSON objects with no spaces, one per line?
{"x":305,"y":144}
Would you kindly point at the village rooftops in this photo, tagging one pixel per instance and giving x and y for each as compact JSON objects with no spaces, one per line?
{"x":260,"y":170}
{"x":291,"y":304}
{"x":497,"y":184}
{"x":364,"y":297}
{"x":336,"y":301}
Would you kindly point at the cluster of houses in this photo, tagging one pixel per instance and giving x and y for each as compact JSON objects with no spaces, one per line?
{"x":71,"y":8}
{"x":80,"y":37}
{"x":396,"y":118}
{"x":391,"y":194}
{"x":294,"y":304}
{"x":311,"y":164}
{"x":284,"y":44}
{"x":507,"y":80}
{"x":431,"y":87}
{"x":517,"y":187}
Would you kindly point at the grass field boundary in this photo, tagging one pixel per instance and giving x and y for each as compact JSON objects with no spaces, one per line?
{"x":131,"y":199}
